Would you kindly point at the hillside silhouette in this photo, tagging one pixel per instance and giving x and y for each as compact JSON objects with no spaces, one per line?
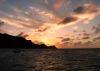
{"x":8,"y":41}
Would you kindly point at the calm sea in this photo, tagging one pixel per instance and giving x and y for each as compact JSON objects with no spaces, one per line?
{"x":49,"y":60}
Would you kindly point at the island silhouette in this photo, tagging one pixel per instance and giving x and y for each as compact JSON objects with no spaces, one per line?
{"x":9,"y":41}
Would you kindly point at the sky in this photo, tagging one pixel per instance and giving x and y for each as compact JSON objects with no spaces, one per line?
{"x":60,"y":23}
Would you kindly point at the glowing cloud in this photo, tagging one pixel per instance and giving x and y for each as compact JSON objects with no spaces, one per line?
{"x":58,"y":4}
{"x":42,"y":25}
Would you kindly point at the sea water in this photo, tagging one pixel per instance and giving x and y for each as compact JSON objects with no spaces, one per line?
{"x":49,"y":60}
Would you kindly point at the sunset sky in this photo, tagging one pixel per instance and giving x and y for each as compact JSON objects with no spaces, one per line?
{"x":63,"y":23}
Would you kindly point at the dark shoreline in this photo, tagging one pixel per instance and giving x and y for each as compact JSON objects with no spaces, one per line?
{"x":9,"y":41}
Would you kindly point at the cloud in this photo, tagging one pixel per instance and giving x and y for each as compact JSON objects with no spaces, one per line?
{"x":84,"y":33}
{"x":68,"y":20}
{"x":43,"y":15}
{"x":82,"y":14}
{"x":86,"y":37}
{"x":43,"y":28}
{"x":86,"y":8}
{"x":83,"y":36}
{"x":96,"y":29}
{"x":11,"y":22}
{"x":88,"y":44}
{"x":86,"y":12}
{"x":66,"y":39}
{"x":33,"y":18}
{"x":1,"y":23}
{"x":67,"y":44}
{"x":58,"y":4}
{"x":10,"y":29}
{"x":40,"y":25}
{"x":78,"y":43}
{"x":96,"y":38}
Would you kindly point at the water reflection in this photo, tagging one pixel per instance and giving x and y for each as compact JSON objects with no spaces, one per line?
{"x":49,"y":60}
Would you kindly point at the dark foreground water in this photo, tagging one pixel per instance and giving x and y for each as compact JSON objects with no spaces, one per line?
{"x":49,"y":60}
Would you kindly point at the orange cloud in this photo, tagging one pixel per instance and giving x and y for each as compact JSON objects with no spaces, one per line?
{"x":47,"y":32}
{"x":82,"y":14}
{"x":11,"y":22}
{"x":58,"y":4}
{"x":68,"y":20}
{"x":87,"y":8}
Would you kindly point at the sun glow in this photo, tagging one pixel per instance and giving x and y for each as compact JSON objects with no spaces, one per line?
{"x":49,"y":41}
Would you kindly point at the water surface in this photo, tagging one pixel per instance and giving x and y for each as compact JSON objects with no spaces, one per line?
{"x":49,"y":60}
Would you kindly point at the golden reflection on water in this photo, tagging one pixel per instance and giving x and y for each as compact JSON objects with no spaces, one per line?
{"x":46,"y":60}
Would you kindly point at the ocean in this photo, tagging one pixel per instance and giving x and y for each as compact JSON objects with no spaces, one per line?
{"x":49,"y":59}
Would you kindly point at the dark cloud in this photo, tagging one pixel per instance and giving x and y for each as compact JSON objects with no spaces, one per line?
{"x":68,"y":20}
{"x":84,"y":9}
{"x":87,"y":43}
{"x":66,"y":39}
{"x":87,"y":8}
{"x":67,"y":44}
{"x":96,"y":29}
{"x":42,"y":30}
{"x":86,"y":37}
{"x":85,"y":33}
{"x":96,"y":38}
{"x":78,"y":43}
{"x":1,"y":23}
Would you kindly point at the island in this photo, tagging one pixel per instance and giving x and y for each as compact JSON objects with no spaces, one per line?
{"x":9,"y":41}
